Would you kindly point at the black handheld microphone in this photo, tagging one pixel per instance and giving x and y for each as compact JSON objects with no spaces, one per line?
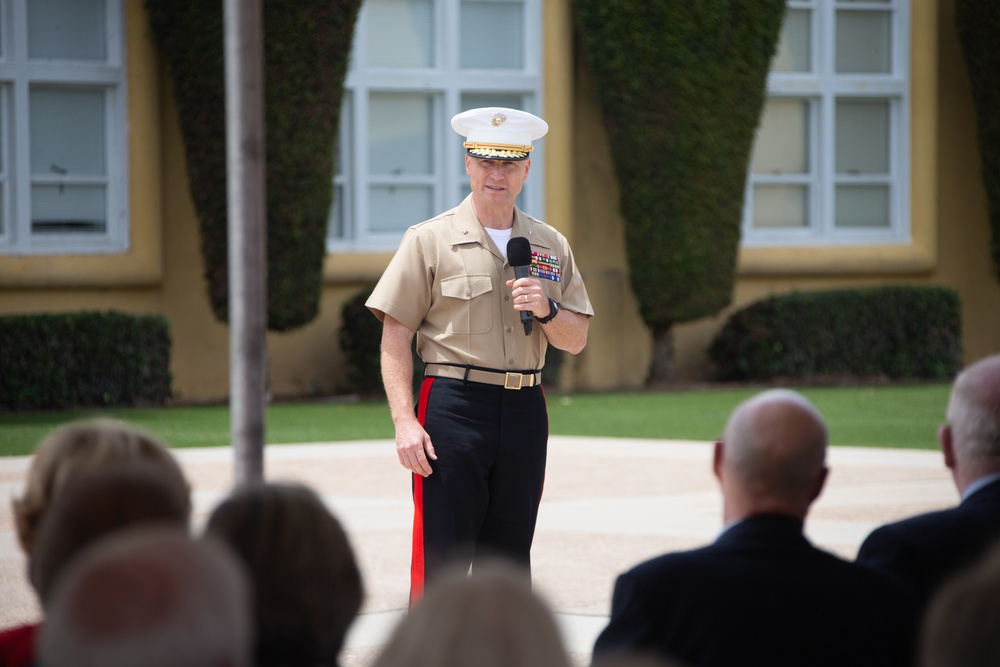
{"x":519,"y":257}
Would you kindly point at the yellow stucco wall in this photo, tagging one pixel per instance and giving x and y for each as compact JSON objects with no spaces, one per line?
{"x":948,"y":222}
{"x":162,"y":271}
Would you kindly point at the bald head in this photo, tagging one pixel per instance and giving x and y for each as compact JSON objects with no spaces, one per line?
{"x":773,"y":456}
{"x":974,"y":416}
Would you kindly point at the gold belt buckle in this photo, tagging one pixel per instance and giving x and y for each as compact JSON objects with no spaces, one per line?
{"x":512,"y":381}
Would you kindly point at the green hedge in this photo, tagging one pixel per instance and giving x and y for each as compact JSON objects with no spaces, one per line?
{"x":978,"y":25}
{"x":83,"y":359}
{"x":306,"y":49}
{"x":360,"y":339}
{"x":891,"y":331}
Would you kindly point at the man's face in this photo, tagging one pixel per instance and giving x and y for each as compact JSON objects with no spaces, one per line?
{"x":496,"y":181}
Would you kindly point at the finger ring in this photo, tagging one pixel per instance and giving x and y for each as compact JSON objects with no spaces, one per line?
{"x":525,"y":297}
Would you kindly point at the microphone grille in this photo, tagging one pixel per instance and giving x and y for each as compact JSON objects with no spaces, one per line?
{"x":518,"y":251}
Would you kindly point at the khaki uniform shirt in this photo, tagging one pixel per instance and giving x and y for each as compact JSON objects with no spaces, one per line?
{"x":447,"y":282}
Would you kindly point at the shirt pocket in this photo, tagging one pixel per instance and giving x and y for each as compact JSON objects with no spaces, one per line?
{"x":469,"y":303}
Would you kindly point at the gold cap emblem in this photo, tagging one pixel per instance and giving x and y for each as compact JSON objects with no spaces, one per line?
{"x":498,"y":119}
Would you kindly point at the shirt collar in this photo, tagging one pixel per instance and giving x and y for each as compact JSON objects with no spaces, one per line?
{"x":983,"y":481}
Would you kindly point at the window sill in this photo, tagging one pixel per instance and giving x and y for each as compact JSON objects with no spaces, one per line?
{"x":837,"y":260}
{"x":133,"y":269}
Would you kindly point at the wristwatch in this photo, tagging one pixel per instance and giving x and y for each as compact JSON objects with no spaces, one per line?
{"x":553,"y":311}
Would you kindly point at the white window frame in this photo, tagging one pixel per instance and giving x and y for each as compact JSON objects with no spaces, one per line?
{"x":446,"y":82}
{"x":17,"y":75}
{"x":822,"y":87}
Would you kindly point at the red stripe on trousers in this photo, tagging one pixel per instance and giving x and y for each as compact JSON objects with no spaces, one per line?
{"x":417,"y":570}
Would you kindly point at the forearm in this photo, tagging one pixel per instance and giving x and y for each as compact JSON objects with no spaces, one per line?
{"x":413,"y":446}
{"x":397,"y":369}
{"x":567,"y":331}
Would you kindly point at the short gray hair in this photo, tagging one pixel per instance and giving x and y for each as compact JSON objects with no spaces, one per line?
{"x":974,"y":410}
{"x":149,"y":596}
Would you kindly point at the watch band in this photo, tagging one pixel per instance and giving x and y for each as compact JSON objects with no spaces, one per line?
{"x":553,"y":310}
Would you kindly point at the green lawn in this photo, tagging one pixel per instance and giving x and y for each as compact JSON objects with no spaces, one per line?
{"x":876,"y":416}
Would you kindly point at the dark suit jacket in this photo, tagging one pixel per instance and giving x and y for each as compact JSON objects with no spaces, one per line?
{"x":923,"y":551}
{"x":760,"y":595}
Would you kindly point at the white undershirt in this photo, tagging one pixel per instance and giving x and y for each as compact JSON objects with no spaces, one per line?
{"x":500,"y":237}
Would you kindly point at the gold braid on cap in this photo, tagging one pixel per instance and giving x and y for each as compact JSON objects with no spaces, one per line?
{"x":497,"y":150}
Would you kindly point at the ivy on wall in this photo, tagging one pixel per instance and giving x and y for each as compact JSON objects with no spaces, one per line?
{"x":306,"y":48}
{"x":978,"y":23}
{"x":682,"y":86}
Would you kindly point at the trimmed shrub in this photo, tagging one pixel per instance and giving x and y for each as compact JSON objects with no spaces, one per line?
{"x":306,"y":49}
{"x":682,"y":86}
{"x":891,"y":331}
{"x":360,"y":340}
{"x":57,"y":361}
{"x":978,"y":24}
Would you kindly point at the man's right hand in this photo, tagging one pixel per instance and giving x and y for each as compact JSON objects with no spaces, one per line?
{"x":414,"y":447}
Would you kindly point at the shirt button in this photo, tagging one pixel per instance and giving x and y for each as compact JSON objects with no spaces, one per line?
{"x":511,"y":362}
{"x":468,"y":292}
{"x":506,"y":297}
{"x":508,"y":329}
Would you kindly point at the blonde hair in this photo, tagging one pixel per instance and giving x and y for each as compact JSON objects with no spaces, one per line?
{"x":77,"y":448}
{"x":960,"y":625}
{"x":150,"y":596}
{"x":489,"y":619}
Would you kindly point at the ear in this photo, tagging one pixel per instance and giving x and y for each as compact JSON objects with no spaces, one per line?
{"x":468,"y":165}
{"x":947,"y":441}
{"x":527,"y":168}
{"x":717,"y":455}
{"x":820,"y":483}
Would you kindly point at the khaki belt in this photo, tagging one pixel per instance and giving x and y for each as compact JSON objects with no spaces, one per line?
{"x":500,"y":378}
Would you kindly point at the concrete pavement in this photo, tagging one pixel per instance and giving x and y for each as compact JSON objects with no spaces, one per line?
{"x":609,"y":503}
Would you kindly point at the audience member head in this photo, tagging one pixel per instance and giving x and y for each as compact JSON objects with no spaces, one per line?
{"x":149,"y":596}
{"x":306,"y":582}
{"x":77,"y":448}
{"x":971,"y":438}
{"x":488,"y":619}
{"x":634,"y":660}
{"x":772,"y":457}
{"x":98,"y":503}
{"x":961,"y":624}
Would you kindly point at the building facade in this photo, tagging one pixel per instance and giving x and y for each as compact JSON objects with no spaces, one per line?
{"x":865,"y":172}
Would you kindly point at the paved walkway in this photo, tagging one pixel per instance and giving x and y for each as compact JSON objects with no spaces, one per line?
{"x":609,"y":503}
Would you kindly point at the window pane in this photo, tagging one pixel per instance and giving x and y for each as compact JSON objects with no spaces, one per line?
{"x":394,"y":208}
{"x":401,"y":132}
{"x":794,"y":45}
{"x":342,"y":163}
{"x":67,"y":131}
{"x":862,"y":140}
{"x":862,"y":206}
{"x":400,"y":33}
{"x":68,"y":209}
{"x":67,"y":29}
{"x":492,"y":35}
{"x":864,"y":42}
{"x":780,"y":206}
{"x":335,"y":226}
{"x":782,"y":143}
{"x":477,"y":100}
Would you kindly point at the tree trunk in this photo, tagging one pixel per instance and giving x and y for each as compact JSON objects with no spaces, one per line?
{"x":661,"y":368}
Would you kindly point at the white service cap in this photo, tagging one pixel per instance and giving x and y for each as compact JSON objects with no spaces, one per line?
{"x":498,"y":133}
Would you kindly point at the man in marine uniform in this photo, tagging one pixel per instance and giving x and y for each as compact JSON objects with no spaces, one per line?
{"x":476,"y":442}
